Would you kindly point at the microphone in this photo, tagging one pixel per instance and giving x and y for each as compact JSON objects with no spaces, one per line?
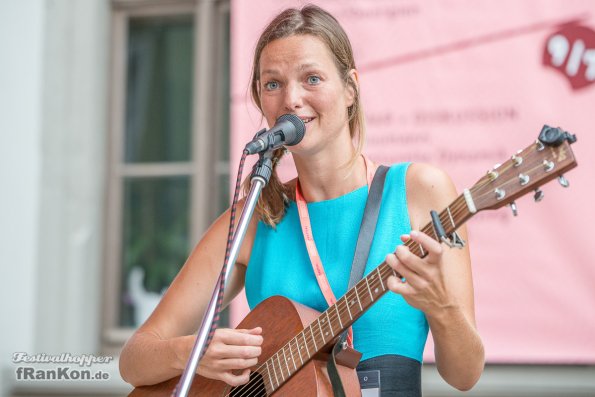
{"x":288,"y":130}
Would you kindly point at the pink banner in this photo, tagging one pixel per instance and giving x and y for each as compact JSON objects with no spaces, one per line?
{"x":464,"y":85}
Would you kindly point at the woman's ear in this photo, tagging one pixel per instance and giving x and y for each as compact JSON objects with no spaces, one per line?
{"x":352,"y":87}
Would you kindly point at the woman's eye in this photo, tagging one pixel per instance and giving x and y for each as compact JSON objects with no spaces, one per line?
{"x":271,"y":85}
{"x":313,"y":79}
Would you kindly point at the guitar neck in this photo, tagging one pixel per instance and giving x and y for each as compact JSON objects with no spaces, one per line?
{"x":337,"y":318}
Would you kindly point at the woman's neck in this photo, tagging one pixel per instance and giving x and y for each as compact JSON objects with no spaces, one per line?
{"x":327,"y":174}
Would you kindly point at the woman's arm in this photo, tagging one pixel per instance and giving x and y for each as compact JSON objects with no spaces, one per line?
{"x":159,"y":349}
{"x":441,"y":284}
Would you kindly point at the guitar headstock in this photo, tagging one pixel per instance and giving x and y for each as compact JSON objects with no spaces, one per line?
{"x":549,"y":157}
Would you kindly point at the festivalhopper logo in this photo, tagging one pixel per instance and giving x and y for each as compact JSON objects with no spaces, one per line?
{"x":59,"y":367}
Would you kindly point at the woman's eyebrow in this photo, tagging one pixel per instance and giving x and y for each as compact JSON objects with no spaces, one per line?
{"x":269,"y":71}
{"x":311,"y":65}
{"x":303,"y":66}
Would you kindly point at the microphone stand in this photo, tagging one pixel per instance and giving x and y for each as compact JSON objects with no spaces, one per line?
{"x":260,"y":177}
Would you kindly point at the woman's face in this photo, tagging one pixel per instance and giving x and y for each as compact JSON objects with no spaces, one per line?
{"x":298,"y":76}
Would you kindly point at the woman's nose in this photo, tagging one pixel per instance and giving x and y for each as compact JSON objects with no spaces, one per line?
{"x":293,"y":96}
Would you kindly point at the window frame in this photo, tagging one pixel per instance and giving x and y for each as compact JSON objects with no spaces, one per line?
{"x":204,"y":168}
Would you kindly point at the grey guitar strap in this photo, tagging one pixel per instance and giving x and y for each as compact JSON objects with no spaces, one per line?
{"x":362,"y":252}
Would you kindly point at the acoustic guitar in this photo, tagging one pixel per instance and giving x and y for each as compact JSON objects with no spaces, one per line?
{"x":298,"y":340}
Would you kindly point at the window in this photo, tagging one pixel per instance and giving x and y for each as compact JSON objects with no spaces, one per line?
{"x":169,"y":143}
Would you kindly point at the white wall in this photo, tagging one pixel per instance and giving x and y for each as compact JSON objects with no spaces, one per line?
{"x":21,"y":41}
{"x":74,"y":138}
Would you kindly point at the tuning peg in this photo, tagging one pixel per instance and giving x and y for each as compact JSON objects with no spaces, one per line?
{"x":493,"y":175}
{"x":500,"y":193}
{"x":563,"y":181}
{"x":514,"y":209}
{"x":538,"y":196}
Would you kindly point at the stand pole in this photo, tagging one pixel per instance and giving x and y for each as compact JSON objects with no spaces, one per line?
{"x":260,"y":177}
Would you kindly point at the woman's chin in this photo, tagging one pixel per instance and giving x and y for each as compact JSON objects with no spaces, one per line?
{"x":303,"y":150}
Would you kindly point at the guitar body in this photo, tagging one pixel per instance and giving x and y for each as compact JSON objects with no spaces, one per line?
{"x":280,"y":320}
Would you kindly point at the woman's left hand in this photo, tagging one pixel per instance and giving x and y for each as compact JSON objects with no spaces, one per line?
{"x":423,"y":285}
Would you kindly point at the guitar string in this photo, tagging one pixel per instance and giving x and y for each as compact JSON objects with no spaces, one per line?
{"x":456,"y":209}
{"x":332,"y":315}
{"x":377,"y":282}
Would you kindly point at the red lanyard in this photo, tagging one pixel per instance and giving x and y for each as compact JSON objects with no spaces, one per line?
{"x":311,"y":245}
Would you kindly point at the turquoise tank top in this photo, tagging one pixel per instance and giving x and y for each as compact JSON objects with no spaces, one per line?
{"x":280,"y":265}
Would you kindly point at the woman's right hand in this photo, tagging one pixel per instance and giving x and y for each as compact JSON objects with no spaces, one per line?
{"x":230,"y":351}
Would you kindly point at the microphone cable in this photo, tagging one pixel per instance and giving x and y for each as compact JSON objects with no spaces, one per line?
{"x":230,"y":234}
{"x":221,"y":280}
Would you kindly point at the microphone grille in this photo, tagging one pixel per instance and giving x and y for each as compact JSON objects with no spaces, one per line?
{"x":300,"y":127}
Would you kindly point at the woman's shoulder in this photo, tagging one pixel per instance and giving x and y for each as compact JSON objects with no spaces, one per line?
{"x":428,"y":177}
{"x":428,"y":188}
{"x":422,"y":178}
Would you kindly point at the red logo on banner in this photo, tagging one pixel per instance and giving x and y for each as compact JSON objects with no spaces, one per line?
{"x":571,"y":51}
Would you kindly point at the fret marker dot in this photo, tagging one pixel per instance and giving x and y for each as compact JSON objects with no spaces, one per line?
{"x":376,"y":290}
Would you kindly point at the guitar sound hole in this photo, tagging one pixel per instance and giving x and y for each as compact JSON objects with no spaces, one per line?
{"x":254,"y":387}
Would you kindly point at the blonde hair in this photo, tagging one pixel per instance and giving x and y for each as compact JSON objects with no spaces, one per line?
{"x":310,"y":20}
